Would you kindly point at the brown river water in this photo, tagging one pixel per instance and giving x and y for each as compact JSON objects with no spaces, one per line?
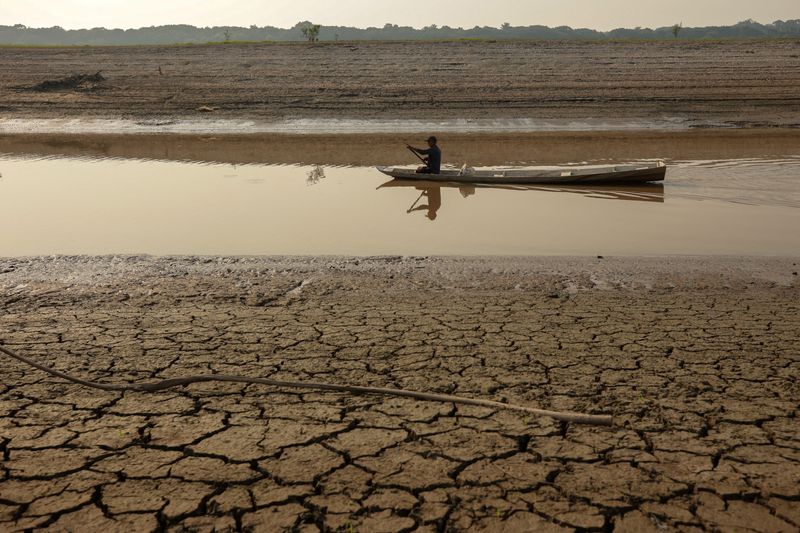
{"x":93,"y":205}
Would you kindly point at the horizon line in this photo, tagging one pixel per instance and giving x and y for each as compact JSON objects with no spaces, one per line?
{"x":421,"y":28}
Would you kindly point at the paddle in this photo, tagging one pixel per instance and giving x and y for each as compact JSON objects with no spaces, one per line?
{"x":410,"y":209}
{"x":416,"y":154}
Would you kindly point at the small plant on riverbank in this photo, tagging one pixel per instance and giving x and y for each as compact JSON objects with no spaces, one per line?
{"x":676,"y":29}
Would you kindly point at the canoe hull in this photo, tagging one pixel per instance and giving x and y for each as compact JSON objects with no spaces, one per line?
{"x":617,"y":175}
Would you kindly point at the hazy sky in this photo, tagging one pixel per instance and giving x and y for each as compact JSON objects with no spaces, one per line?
{"x":597,"y":14}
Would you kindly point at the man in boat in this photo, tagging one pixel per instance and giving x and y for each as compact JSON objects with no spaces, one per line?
{"x":433,"y":163}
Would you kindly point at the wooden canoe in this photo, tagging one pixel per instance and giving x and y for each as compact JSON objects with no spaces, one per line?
{"x":638,"y":173}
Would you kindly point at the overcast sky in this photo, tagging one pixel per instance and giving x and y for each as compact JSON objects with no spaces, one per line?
{"x":597,"y":14}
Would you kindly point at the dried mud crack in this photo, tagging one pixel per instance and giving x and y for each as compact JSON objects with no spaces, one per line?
{"x":697,"y":359}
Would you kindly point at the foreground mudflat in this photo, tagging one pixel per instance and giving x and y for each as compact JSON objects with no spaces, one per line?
{"x":696,"y":358}
{"x":594,"y":84}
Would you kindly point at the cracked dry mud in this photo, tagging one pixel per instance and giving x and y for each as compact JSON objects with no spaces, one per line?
{"x":697,"y":359}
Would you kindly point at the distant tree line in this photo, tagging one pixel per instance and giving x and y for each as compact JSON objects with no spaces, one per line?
{"x":177,"y":34}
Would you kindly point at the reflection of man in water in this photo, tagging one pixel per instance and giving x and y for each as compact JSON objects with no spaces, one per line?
{"x":434,"y":196}
{"x":433,"y":163}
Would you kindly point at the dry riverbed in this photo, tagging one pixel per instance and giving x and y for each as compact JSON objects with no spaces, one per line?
{"x":696,"y":358}
{"x":595,"y":85}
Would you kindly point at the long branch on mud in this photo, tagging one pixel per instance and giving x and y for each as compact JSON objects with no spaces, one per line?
{"x":565,"y":416}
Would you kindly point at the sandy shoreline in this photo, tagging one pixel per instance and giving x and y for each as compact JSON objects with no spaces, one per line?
{"x":696,"y":358}
{"x":666,"y":84}
{"x":544,"y":148}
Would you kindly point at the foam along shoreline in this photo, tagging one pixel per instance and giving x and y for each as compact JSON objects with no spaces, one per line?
{"x":312,"y":126}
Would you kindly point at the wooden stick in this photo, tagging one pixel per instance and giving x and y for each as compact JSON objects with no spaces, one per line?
{"x":577,"y":418}
{"x":418,"y":156}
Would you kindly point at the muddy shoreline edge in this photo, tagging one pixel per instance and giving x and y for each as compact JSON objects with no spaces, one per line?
{"x":481,"y":148}
{"x":641,"y":270}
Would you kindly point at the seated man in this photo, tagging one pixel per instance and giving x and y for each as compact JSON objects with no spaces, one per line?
{"x":433,"y":163}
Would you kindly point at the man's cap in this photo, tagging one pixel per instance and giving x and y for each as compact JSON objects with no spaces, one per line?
{"x":431,"y":138}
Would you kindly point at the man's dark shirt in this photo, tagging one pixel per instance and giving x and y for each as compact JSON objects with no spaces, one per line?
{"x":434,"y":159}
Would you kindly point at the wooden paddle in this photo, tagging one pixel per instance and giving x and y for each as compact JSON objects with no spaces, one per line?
{"x":410,"y":209}
{"x":418,"y":156}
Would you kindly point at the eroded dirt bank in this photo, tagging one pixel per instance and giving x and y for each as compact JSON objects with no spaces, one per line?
{"x":696,"y":358}
{"x":388,"y":149}
{"x":682,"y":84}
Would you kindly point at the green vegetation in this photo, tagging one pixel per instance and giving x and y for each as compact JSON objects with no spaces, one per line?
{"x":311,"y":32}
{"x":184,"y":34}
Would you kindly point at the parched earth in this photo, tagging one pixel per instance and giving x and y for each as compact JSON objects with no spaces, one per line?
{"x":696,"y":358}
{"x":688,"y":83}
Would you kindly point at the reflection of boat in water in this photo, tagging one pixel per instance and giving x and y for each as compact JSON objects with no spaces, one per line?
{"x":430,"y":197}
{"x":644,"y":192}
{"x":639,"y":173}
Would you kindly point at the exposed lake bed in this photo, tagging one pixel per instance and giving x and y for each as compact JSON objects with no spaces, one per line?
{"x":694,"y":357}
{"x":661,"y":83}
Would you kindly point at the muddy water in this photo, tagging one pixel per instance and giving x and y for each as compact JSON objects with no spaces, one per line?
{"x":109,"y":206}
